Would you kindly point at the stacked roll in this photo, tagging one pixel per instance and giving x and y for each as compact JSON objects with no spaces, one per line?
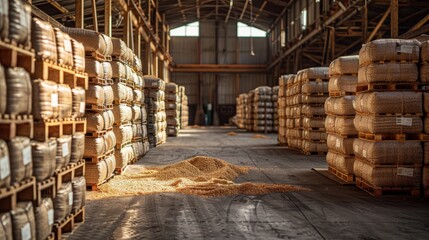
{"x":275,"y":104}
{"x":293,"y":114}
{"x":241,"y":109}
{"x":281,"y":110}
{"x":155,"y":107}
{"x":184,"y":109}
{"x":339,"y":122}
{"x":386,"y":120}
{"x":172,"y":102}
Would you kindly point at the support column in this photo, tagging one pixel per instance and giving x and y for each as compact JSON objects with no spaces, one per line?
{"x":364,"y":23}
{"x":108,"y":17}
{"x":79,"y":16}
{"x":95,"y":15}
{"x":394,"y":32}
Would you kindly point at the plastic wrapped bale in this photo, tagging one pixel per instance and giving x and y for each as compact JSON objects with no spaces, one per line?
{"x":23,"y":221}
{"x":389,"y":102}
{"x":95,"y":95}
{"x":44,"y":163}
{"x":96,"y":173}
{"x":6,"y":231}
{"x":390,"y":72}
{"x":109,"y":119}
{"x":63,"y":202}
{"x":43,"y":39}
{"x":341,"y":162}
{"x":4,"y":19}
{"x":20,"y":22}
{"x":342,"y":106}
{"x":78,"y":147}
{"x":388,"y":124}
{"x":3,"y":90}
{"x":65,"y":101}
{"x":94,"y":147}
{"x":340,"y":144}
{"x":79,"y":189}
{"x":94,"y":68}
{"x":119,"y":48}
{"x":123,"y":133}
{"x":21,"y":164}
{"x":63,"y":151}
{"x":64,"y":48}
{"x":122,"y":114}
{"x":118,"y":70}
{"x":78,"y":106}
{"x":91,"y":40}
{"x":18,"y":91}
{"x":44,"y":216}
{"x":107,"y":69}
{"x":78,"y":56}
{"x":384,"y":50}
{"x":4,"y":165}
{"x":344,"y":65}
{"x":108,"y":95}
{"x":343,"y":83}
{"x":45,"y":99}
{"x":94,"y":122}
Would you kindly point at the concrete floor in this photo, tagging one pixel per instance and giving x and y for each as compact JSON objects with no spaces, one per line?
{"x":328,"y":211}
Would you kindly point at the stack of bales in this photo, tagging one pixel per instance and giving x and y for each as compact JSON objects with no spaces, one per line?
{"x":388,"y":116}
{"x":339,"y":122}
{"x":250,"y":110}
{"x":281,"y":110}
{"x":314,"y":90}
{"x":184,"y":109}
{"x":293,"y":112}
{"x":424,"y":79}
{"x":241,"y":110}
{"x":172,"y":106}
{"x":155,"y":107}
{"x":263,"y":110}
{"x":275,"y":104}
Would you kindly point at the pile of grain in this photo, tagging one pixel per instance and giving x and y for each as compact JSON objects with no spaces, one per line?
{"x":204,"y":176}
{"x":232,"y":134}
{"x":259,"y":136}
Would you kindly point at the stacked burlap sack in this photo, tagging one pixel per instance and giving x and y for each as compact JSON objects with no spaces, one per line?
{"x":241,"y":106}
{"x":172,"y":109}
{"x":250,"y":110}
{"x":294,"y":118}
{"x":275,"y":104}
{"x":155,"y":107}
{"x":263,"y":110}
{"x":184,"y":109}
{"x":281,"y":110}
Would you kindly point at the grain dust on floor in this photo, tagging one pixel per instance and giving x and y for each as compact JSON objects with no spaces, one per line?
{"x":231,"y":134}
{"x":203,"y":176}
{"x":259,"y":136}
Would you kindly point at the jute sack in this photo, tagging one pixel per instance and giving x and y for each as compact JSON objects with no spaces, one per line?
{"x":44,"y":163}
{"x":118,"y":70}
{"x":64,"y":48}
{"x":340,"y":144}
{"x":313,"y":110}
{"x":63,"y":151}
{"x":107,"y":69}
{"x":23,"y":222}
{"x":65,"y":101}
{"x":345,"y":126}
{"x":78,"y":56}
{"x":389,"y":50}
{"x":120,"y":92}
{"x":389,"y":153}
{"x":6,"y":231}
{"x":109,"y":119}
{"x":4,"y":165}
{"x":79,"y":190}
{"x":424,"y":73}
{"x":313,"y":73}
{"x":63,"y":202}
{"x":154,"y":82}
{"x":4,"y":27}
{"x":44,"y":218}
{"x":294,"y":133}
{"x":96,"y":173}
{"x":343,"y":83}
{"x":341,"y":162}
{"x":109,"y":140}
{"x":390,"y":72}
{"x":20,"y":22}
{"x":424,"y":53}
{"x":21,"y":163}
{"x":123,"y":133}
{"x":308,"y":122}
{"x":309,"y":146}
{"x":386,"y":176}
{"x":389,"y":102}
{"x":43,"y":40}
{"x":388,"y":124}
{"x":119,"y":48}
{"x":45,"y":99}
{"x":94,"y":147}
{"x":109,"y":45}
{"x":309,"y":99}
{"x":94,"y":68}
{"x":124,"y":156}
{"x":94,"y":122}
{"x":19,"y":91}
{"x":78,"y":147}
{"x":78,"y":106}
{"x":344,"y":65}
{"x":111,"y":164}
{"x":95,"y":95}
{"x":91,"y":40}
{"x":122,"y":113}
{"x":342,"y":106}
{"x":108,"y":95}
{"x":313,"y":135}
{"x":314,"y":87}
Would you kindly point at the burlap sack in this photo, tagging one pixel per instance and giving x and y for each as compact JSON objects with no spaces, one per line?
{"x":389,"y":50}
{"x":123,"y":133}
{"x":424,"y":53}
{"x":144,"y":114}
{"x":120,"y":92}
{"x":6,"y":231}
{"x":78,"y":106}
{"x":313,"y":122}
{"x":109,"y":119}
{"x":94,"y":122}
{"x":390,"y":153}
{"x":390,"y":72}
{"x":45,"y":99}
{"x":144,"y":131}
{"x":139,"y":149}
{"x":92,"y":40}
{"x":137,"y":130}
{"x":341,"y":106}
{"x":111,"y":165}
{"x":263,"y":90}
{"x":23,"y":222}
{"x":79,"y":190}
{"x":64,"y":48}
{"x":63,"y":156}
{"x":308,"y":110}
{"x":20,"y":22}
{"x":388,"y":124}
{"x":119,"y":47}
{"x":341,"y":162}
{"x":386,"y":176}
{"x":78,"y":147}
{"x":345,"y":126}
{"x":21,"y":163}
{"x":424,"y":73}
{"x":313,"y":135}
{"x":44,"y":162}
{"x":343,"y":83}
{"x":94,"y":68}
{"x":313,"y":73}
{"x":4,"y":165}
{"x":95,"y":95}
{"x":137,"y":64}
{"x":109,"y":140}
{"x":18,"y":91}
{"x":137,"y":113}
{"x":44,"y":218}
{"x":124,"y":156}
{"x":96,"y":173}
{"x":107,"y":70}
{"x":122,"y":113}
{"x":4,"y":24}
{"x":118,"y":70}
{"x":310,"y":99}
{"x":309,"y":146}
{"x":344,"y":65}
{"x":63,"y":202}
{"x":298,"y":111}
{"x":154,"y":82}
{"x":43,"y":40}
{"x":109,"y":45}
{"x":294,"y":133}
{"x":314,"y":87}
{"x":340,"y":144}
{"x":298,"y":122}
{"x":389,"y":102}
{"x":108,"y":95}
{"x":78,"y":55}
{"x":94,"y":147}
{"x":65,"y":101}
{"x":3,"y":90}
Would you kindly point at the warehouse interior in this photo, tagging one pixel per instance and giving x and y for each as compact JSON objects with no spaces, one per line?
{"x":213,"y":119}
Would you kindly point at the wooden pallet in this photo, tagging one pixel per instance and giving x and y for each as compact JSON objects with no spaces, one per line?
{"x":46,"y":188}
{"x":312,"y":153}
{"x":98,"y":56}
{"x":316,"y":94}
{"x":23,"y":191}
{"x":45,"y":129}
{"x":122,"y":102}
{"x":14,"y":55}
{"x":64,"y":228}
{"x":340,"y":93}
{"x":48,"y":70}
{"x":96,"y":134}
{"x":119,"y":171}
{"x":315,"y":129}
{"x":78,"y":80}
{"x":348,"y":178}
{"x":66,"y":174}
{"x":16,"y":125}
{"x":393,"y":137}
{"x":97,"y":81}
{"x":381,"y":191}
{"x":387,"y":87}
{"x":124,"y":81}
{"x":120,"y":146}
{"x":97,"y":159}
{"x":96,"y":186}
{"x":119,"y":59}
{"x":71,"y":127}
{"x":95,"y":108}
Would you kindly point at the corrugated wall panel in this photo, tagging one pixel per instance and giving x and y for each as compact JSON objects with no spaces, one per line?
{"x":251,"y":81}
{"x":226,"y":89}
{"x":190,"y":81}
{"x":183,"y":49}
{"x":208,"y":47}
{"x":259,"y":47}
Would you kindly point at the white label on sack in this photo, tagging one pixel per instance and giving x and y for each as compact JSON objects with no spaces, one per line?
{"x":364,"y":153}
{"x":54,"y":100}
{"x":26,"y":155}
{"x":50,"y":216}
{"x":70,"y":198}
{"x":82,"y":107}
{"x":338,"y":143}
{"x":408,"y":172}
{"x":26,"y":232}
{"x":4,"y":167}
{"x":68,"y":46}
{"x":403,"y":121}
{"x":405,"y":49}
{"x":65,"y":149}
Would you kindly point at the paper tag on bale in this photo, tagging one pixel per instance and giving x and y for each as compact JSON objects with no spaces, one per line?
{"x":405,"y":49}
{"x":70,"y":198}
{"x":82,"y":107}
{"x":68,"y":46}
{"x":4,"y":167}
{"x":403,"y":121}
{"x":26,"y":232}
{"x":408,"y":172}
{"x":26,"y":155}
{"x":65,"y":149}
{"x":54,"y":100}
{"x":50,"y":216}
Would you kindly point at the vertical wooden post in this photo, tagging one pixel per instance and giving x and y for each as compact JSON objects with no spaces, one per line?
{"x":79,"y":16}
{"x":126,"y":35}
{"x":94,"y":15}
{"x":364,"y":23}
{"x":394,"y":32}
{"x":108,"y":17}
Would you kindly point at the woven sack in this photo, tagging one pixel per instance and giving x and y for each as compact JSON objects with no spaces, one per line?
{"x":20,"y":22}
{"x":345,"y":126}
{"x":94,"y":147}
{"x":108,"y":95}
{"x":109,"y":45}
{"x":78,"y":104}
{"x":78,"y":56}
{"x":109,"y":119}
{"x":45,"y":99}
{"x":119,"y":48}
{"x":310,"y":99}
{"x":44,"y":163}
{"x":122,"y":113}
{"x":23,"y":222}
{"x":390,"y":72}
{"x":18,"y":91}
{"x":342,"y":106}
{"x":124,"y":156}
{"x":138,"y":96}
{"x":388,"y":124}
{"x":313,"y":135}
{"x":63,"y":202}
{"x":4,"y":165}
{"x":21,"y":164}
{"x":95,"y":95}
{"x":123,"y":133}
{"x":343,"y":83}
{"x":389,"y":102}
{"x":79,"y":190}
{"x":314,"y":73}
{"x":314,"y":87}
{"x":43,"y":40}
{"x":130,"y":56}
{"x":91,"y":40}
{"x":94,"y":122}
{"x":344,"y":65}
{"x":309,"y":146}
{"x":118,"y":70}
{"x":389,"y":50}
{"x":4,"y":22}
{"x":171,"y":87}
{"x":64,"y":48}
{"x":6,"y":231}
{"x":78,"y":147}
{"x":96,"y":173}
{"x":137,"y":64}
{"x":94,"y":68}
{"x":111,"y":165}
{"x":340,"y":162}
{"x":120,"y":92}
{"x":65,"y":101}
{"x":154,"y":82}
{"x":44,"y":218}
{"x":63,"y":156}
{"x":108,"y":71}
{"x":137,"y":113}
{"x":110,"y":140}
{"x":313,"y":110}
{"x":340,"y":144}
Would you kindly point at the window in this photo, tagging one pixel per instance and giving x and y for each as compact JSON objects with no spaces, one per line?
{"x":304,"y":19}
{"x":244,"y":30}
{"x":189,"y":30}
